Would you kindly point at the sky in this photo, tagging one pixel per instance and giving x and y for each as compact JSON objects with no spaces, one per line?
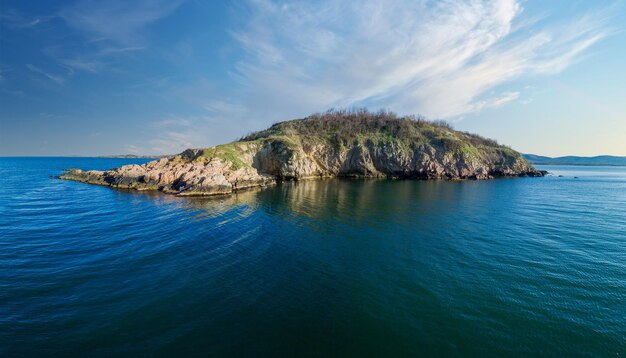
{"x":108,"y":77}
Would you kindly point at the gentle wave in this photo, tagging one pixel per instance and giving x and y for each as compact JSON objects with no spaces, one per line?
{"x":529,"y":266}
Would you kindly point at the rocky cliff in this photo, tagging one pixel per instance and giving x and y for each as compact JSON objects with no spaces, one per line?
{"x":334,"y":144}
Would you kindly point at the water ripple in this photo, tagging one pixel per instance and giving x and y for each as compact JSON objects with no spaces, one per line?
{"x":337,"y":267}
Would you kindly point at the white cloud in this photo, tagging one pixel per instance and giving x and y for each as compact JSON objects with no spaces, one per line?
{"x":172,"y":134}
{"x":170,"y":142}
{"x":439,"y":59}
{"x":58,"y":79}
{"x":442,"y":60}
{"x":17,"y":20}
{"x":83,"y":64}
{"x":110,"y":28}
{"x":121,"y":22}
{"x":132,"y":149}
{"x":494,"y":101}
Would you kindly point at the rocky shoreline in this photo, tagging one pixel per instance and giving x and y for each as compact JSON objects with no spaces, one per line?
{"x":175,"y":176}
{"x":321,"y":147}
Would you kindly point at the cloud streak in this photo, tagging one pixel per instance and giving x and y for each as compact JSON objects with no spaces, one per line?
{"x":52,"y":77}
{"x":441,"y":59}
{"x":120,"y":22}
{"x":16,"y":20}
{"x":109,"y":28}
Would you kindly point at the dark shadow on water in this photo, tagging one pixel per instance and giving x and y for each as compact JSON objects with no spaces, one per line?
{"x":336,"y":198}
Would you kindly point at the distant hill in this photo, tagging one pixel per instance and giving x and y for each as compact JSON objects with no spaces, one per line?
{"x":572,"y":160}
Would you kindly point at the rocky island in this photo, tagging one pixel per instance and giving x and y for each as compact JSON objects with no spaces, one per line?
{"x":357,"y":144}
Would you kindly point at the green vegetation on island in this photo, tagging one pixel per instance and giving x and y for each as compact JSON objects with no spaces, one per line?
{"x":337,"y":143}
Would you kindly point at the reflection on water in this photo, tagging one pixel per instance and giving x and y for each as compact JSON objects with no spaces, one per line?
{"x":525,"y":266}
{"x":333,"y":198}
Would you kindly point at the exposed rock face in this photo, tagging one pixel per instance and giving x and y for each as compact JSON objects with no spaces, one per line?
{"x":345,"y":145}
{"x":176,"y":175}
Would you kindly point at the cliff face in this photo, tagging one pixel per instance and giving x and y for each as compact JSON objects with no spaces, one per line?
{"x":336,"y":144}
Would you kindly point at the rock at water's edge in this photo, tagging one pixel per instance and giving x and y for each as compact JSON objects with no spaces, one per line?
{"x":351,"y":144}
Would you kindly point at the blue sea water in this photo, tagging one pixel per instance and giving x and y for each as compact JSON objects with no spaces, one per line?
{"x":523,"y":267}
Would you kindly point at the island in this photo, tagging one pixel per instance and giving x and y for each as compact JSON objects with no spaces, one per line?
{"x":338,"y":143}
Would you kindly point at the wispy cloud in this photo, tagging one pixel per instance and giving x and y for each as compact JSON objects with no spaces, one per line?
{"x":172,"y":134}
{"x":121,"y":22}
{"x":109,"y":29}
{"x":492,"y":101}
{"x":89,"y":64}
{"x":170,"y":142}
{"x":133,"y":149}
{"x":440,"y":59}
{"x":17,"y":20}
{"x":58,"y":79}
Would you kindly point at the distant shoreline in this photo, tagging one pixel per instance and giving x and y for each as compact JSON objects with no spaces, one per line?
{"x":90,"y":156}
{"x":580,"y":165}
{"x":597,"y":161}
{"x":132,"y":156}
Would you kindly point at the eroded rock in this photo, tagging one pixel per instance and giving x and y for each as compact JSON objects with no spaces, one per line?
{"x":293,"y":151}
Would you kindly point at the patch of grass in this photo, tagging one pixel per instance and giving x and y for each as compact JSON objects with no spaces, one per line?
{"x":469,"y":151}
{"x":227,"y":152}
{"x":341,"y":129}
{"x":291,"y":142}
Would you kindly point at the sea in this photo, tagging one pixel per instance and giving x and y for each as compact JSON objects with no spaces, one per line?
{"x":337,"y":267}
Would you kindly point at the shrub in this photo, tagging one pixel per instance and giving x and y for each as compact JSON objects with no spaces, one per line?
{"x":340,"y":127}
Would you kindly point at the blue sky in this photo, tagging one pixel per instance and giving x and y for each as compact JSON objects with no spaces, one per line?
{"x":154,"y":76}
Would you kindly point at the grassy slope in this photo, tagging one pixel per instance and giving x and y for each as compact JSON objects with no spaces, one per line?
{"x":344,"y":129}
